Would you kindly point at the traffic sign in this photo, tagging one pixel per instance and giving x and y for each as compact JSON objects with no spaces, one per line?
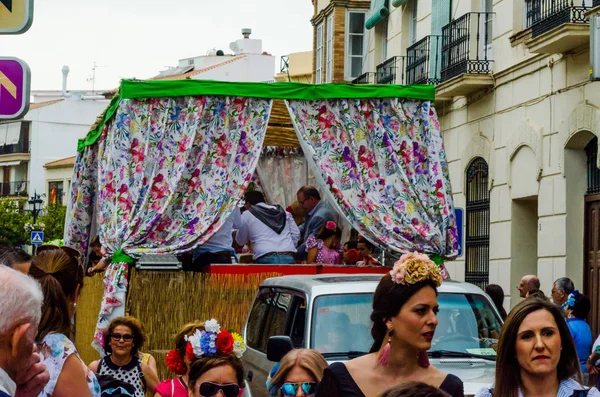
{"x":37,"y":238}
{"x":15,"y":79}
{"x":16,"y":16}
{"x":458,"y":212}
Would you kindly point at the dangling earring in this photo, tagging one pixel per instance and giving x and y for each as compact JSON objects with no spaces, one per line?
{"x":384,"y":356}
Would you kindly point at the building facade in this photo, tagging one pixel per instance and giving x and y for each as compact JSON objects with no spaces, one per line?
{"x":296,"y":67}
{"x":520,"y":119}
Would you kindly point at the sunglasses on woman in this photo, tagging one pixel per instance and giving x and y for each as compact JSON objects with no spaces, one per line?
{"x":290,"y":389}
{"x":117,"y":337}
{"x":210,"y":389}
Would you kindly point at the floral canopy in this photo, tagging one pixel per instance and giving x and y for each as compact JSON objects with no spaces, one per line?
{"x":170,"y":160}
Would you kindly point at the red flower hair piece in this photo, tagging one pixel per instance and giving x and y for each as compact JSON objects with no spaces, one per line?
{"x":175,"y":363}
{"x":224,"y":343}
{"x":189,"y":352}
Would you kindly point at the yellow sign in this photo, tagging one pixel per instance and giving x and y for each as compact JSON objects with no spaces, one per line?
{"x":16,"y":16}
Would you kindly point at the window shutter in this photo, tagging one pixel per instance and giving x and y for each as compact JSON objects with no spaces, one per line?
{"x":440,"y":16}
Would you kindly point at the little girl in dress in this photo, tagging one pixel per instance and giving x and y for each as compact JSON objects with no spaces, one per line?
{"x":325,"y":248}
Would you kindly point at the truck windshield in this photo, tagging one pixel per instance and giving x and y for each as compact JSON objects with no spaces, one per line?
{"x":467,"y":325}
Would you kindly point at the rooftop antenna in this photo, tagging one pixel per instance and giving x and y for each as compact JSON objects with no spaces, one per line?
{"x":92,"y":78}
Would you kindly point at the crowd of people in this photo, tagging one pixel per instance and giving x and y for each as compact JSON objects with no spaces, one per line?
{"x":540,"y":352}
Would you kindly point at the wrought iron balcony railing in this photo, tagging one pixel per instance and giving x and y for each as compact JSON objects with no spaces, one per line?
{"x":391,"y":71}
{"x":466,"y":46}
{"x":22,"y":146}
{"x":424,"y":61}
{"x":544,"y":15}
{"x":9,"y":189}
{"x":365,"y":78}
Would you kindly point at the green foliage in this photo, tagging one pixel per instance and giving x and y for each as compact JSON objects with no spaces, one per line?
{"x":13,"y":218}
{"x":54,"y":219}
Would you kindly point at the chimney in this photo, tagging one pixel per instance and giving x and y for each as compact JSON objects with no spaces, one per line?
{"x":246,"y":33}
{"x":65,"y":73}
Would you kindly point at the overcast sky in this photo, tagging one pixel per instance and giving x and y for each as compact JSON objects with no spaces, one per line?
{"x":139,"y":38}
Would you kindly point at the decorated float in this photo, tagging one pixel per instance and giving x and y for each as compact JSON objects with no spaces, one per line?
{"x":169,"y":161}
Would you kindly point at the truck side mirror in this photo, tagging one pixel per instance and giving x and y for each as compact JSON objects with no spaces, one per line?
{"x":277,"y":347}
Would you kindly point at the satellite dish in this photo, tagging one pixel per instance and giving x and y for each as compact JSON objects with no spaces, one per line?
{"x":234,"y":47}
{"x":212,"y":52}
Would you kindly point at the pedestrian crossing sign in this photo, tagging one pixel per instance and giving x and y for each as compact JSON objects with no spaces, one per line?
{"x":37,"y":238}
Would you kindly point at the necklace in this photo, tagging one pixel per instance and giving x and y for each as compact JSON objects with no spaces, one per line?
{"x":183,"y":382}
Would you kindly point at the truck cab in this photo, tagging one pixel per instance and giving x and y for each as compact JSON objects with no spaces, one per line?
{"x":330,"y":313}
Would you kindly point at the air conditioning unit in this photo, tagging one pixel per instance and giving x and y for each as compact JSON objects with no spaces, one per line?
{"x":158,"y":262}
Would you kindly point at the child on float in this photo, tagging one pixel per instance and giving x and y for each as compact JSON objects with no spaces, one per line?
{"x":325,"y":247}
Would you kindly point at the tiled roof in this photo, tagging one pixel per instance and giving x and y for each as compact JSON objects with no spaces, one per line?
{"x":62,"y":163}
{"x":199,"y":71}
{"x":38,"y":105}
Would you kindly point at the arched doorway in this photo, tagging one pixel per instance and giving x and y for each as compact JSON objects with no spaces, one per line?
{"x":592,"y":233}
{"x":477,"y":239}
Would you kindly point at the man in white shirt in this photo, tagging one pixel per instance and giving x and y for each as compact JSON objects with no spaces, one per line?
{"x":21,"y":373}
{"x":218,"y":249}
{"x":271,"y":230}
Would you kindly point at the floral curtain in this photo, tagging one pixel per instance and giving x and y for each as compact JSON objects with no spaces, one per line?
{"x":384,"y":165}
{"x":169,"y":172}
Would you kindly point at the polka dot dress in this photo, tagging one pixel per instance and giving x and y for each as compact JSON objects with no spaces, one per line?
{"x":129,"y":373}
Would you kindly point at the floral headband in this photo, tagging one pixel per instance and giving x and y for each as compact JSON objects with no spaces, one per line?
{"x":210,"y":342}
{"x":415,"y":267}
{"x":571,"y":299}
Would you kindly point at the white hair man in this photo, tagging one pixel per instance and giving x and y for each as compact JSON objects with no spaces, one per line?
{"x":21,"y":372}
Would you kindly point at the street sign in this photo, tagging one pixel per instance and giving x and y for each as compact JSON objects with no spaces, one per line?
{"x":16,"y":16}
{"x":15,"y":79}
{"x":458,"y":212}
{"x":37,"y":238}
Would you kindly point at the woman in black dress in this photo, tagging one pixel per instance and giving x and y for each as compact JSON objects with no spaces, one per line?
{"x":404,"y":320}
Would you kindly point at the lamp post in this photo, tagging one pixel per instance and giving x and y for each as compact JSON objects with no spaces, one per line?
{"x":35,"y":202}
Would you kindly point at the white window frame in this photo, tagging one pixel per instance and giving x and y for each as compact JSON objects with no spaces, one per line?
{"x":412,"y":27}
{"x":329,"y":51}
{"x":485,"y":21}
{"x":347,"y":57}
{"x":384,"y":42}
{"x":319,"y":55}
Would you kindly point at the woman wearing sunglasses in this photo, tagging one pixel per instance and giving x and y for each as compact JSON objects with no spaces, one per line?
{"x":216,"y":369}
{"x":122,"y":340}
{"x":299,"y":373}
{"x":60,"y":275}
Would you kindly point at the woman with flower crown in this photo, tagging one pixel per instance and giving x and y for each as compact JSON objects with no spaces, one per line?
{"x":404,"y":321}
{"x":204,"y":344}
{"x":325,"y":248}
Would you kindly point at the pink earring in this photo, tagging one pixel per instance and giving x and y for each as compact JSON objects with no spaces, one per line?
{"x":384,"y":356}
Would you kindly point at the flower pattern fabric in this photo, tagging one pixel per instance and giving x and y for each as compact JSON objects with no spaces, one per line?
{"x":167,"y":172}
{"x":384,"y":165}
{"x":54,"y":351}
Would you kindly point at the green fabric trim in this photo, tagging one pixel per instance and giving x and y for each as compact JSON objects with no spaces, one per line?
{"x":173,"y":88}
{"x":95,"y":133}
{"x":437,"y":259}
{"x":379,"y":12}
{"x":121,"y":257}
{"x":398,"y":3}
{"x":135,"y":89}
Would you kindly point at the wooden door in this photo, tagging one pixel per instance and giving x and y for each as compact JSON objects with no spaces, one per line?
{"x":5,"y":191}
{"x":592,"y":259}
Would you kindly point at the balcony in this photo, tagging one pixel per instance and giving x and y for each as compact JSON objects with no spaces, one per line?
{"x":14,"y":138}
{"x":11,"y":189}
{"x":557,"y":26}
{"x":391,"y":71}
{"x":365,"y":78}
{"x":466,"y":56}
{"x":423,"y":61}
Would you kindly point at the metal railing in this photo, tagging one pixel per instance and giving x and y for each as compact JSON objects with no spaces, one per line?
{"x":544,"y":15}
{"x":19,"y":188}
{"x":423,"y":61}
{"x":365,"y":78}
{"x":20,"y":147}
{"x":391,"y":71}
{"x":465,"y":46}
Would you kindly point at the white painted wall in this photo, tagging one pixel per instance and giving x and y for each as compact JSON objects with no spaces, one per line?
{"x":54,"y":133}
{"x":252,"y":68}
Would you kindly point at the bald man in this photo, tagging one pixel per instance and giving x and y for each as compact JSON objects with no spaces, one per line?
{"x":528,"y":285}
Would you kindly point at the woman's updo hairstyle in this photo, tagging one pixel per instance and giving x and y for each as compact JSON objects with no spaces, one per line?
{"x":387,"y":302}
{"x":411,"y":273}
